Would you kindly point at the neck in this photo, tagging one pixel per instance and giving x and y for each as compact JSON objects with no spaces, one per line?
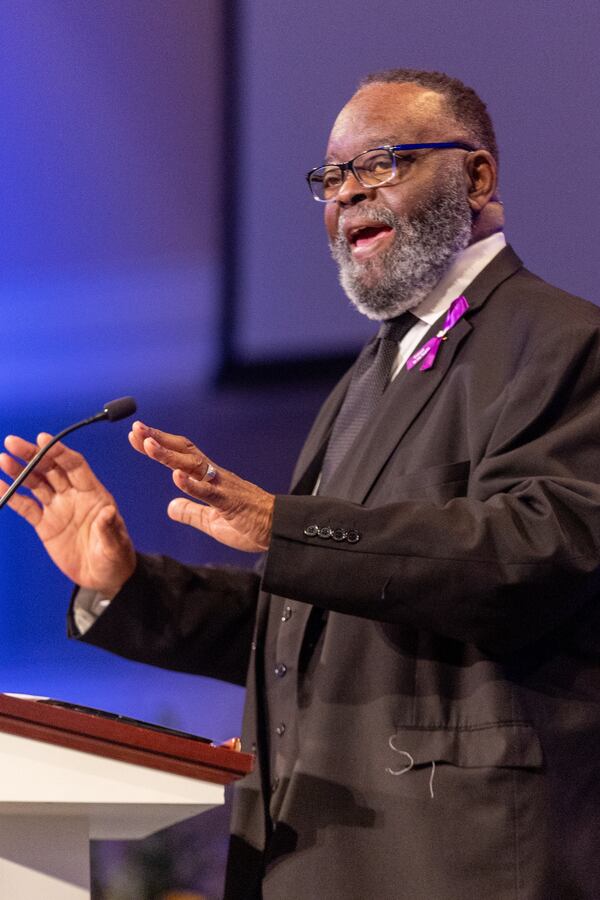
{"x":487,"y":222}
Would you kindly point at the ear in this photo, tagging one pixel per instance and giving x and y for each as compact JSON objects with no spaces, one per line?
{"x":482,"y":179}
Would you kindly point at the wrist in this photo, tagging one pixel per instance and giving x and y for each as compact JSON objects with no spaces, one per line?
{"x":109,"y":588}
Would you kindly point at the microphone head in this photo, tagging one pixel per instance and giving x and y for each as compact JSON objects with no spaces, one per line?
{"x":118,"y":409}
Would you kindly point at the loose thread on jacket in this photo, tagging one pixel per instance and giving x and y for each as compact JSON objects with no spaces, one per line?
{"x":431,"y":778}
{"x":411,"y":761}
{"x":410,"y":765}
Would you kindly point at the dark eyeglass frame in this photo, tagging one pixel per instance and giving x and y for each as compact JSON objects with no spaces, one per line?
{"x":349,"y":166}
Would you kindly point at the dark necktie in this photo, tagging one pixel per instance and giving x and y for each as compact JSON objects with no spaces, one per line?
{"x":369,"y":380}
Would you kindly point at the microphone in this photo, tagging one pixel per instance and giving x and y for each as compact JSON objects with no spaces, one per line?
{"x":112,"y":411}
{"x":115,"y":410}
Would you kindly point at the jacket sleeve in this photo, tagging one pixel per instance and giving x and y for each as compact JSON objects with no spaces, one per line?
{"x":513,"y":559}
{"x":191,"y":619}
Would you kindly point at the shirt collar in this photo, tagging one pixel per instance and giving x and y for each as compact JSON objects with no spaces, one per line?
{"x":463,"y":269}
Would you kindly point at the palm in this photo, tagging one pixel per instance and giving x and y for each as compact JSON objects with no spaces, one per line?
{"x":67,"y":531}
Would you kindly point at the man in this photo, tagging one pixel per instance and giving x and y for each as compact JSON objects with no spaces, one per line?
{"x":425,"y":709}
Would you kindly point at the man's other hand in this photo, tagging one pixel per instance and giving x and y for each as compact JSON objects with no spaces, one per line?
{"x":73,"y":514}
{"x":230,"y":510}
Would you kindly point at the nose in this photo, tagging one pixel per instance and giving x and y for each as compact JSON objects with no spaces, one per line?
{"x":353,"y":192}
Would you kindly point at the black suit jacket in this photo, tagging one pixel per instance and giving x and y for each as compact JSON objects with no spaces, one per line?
{"x":440,"y":739}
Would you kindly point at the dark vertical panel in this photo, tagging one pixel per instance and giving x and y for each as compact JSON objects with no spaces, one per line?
{"x":233,"y":156}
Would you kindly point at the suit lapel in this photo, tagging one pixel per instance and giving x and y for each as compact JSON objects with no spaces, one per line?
{"x":402,"y":402}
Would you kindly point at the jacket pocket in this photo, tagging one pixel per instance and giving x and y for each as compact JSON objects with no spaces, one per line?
{"x":499,"y":744}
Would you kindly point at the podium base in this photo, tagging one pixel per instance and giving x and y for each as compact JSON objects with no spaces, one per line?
{"x":44,"y":857}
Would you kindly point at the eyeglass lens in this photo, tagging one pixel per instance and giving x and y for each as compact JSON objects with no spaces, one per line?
{"x":370,"y":168}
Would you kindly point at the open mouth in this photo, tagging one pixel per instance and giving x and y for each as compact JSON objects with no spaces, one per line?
{"x":367,"y":239}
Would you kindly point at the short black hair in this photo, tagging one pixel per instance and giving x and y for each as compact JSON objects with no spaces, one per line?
{"x":464,"y":103}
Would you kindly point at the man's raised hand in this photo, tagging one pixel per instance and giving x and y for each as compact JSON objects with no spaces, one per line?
{"x":73,"y":514}
{"x":230,"y":510}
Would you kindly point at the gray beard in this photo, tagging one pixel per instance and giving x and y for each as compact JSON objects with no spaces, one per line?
{"x":421,"y":252}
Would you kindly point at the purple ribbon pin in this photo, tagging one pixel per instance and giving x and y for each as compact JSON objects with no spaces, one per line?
{"x":428,"y":351}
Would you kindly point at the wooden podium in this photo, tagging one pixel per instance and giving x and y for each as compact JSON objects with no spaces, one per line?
{"x":67,"y":777}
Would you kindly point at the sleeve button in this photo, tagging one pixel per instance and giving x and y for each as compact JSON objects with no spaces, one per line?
{"x":339,"y":534}
{"x":311,"y":530}
{"x":353,"y":537}
{"x":325,"y":532}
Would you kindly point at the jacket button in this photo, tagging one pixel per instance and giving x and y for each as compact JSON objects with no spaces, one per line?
{"x":311,"y":530}
{"x":325,"y":532}
{"x":286,"y":614}
{"x":352,"y":537}
{"x":280,"y":730}
{"x":280,"y":670}
{"x":339,"y":534}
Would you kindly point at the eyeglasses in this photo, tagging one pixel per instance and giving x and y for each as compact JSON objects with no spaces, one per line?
{"x":371,"y":168}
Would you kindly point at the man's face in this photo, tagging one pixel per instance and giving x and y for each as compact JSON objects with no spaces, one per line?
{"x":393,"y":243}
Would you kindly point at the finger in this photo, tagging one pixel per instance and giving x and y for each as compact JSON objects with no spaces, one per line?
{"x":23,"y":506}
{"x":71,"y":464}
{"x":50,"y":465}
{"x":11,"y":467}
{"x":195,"y":464}
{"x":140,"y":433}
{"x":26,"y":451}
{"x":19,"y":447}
{"x":171,"y":441}
{"x":137,"y":441}
{"x":209,"y":492}
{"x":34,"y":481}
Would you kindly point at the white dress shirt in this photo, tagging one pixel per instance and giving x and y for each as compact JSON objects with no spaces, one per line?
{"x":464,"y":268}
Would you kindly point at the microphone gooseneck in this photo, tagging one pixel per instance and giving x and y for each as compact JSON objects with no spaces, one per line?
{"x":112,"y":411}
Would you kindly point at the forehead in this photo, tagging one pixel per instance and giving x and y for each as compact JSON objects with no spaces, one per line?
{"x":388,"y":113}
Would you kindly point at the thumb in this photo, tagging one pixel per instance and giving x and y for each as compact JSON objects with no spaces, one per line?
{"x":111,"y":555}
{"x":183,"y":510}
{"x":109,"y":529}
{"x":105,"y":520}
{"x":190,"y":513}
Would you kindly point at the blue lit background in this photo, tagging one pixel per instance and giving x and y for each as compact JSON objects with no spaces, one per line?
{"x":110,"y":276}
